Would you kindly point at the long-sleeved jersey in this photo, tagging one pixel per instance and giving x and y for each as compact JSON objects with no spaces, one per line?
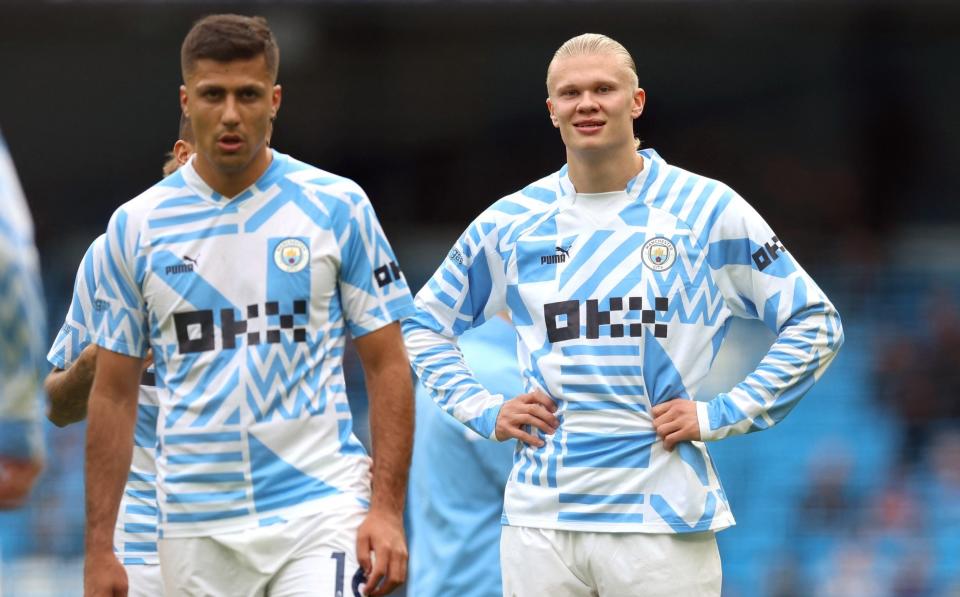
{"x":621,"y":302}
{"x":135,"y":534}
{"x":246,"y":304}
{"x":22,"y":322}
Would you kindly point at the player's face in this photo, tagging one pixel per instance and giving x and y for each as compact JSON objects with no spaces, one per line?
{"x":230,"y":105}
{"x":594,"y":101}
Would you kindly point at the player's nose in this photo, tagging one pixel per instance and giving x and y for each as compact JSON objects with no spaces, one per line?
{"x":230,"y":115}
{"x":587,"y":103}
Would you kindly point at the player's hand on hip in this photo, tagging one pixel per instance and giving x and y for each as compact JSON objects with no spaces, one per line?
{"x":535,"y":409}
{"x":382,"y":552}
{"x":676,"y":421}
{"x":103,"y":576}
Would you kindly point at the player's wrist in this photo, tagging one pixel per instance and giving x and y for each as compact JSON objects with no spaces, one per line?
{"x":386,"y":510}
{"x":98,"y":551}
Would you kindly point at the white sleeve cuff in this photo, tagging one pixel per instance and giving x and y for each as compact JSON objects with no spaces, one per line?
{"x":703,"y":420}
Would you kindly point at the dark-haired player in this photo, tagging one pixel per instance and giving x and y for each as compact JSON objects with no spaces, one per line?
{"x":243,"y":273}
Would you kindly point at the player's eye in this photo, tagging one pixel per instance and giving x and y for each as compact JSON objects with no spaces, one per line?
{"x":211,"y":94}
{"x":604,"y":89}
{"x":568,"y":93}
{"x":249,"y":94}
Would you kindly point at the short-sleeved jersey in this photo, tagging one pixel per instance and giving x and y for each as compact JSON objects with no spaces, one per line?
{"x":246,"y":303}
{"x":22,"y":322}
{"x":621,"y":302}
{"x":135,"y":536}
{"x":457,"y":480}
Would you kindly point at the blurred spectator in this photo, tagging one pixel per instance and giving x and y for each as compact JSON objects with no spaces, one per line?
{"x":828,"y":504}
{"x":853,"y":572}
{"x":918,"y":377}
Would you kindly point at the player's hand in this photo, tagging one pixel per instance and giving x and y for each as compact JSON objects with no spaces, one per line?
{"x":104,"y":576}
{"x":676,"y":421}
{"x":382,"y":552}
{"x":535,"y":409}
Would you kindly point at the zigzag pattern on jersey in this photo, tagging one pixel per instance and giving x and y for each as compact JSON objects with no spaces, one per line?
{"x":66,"y":348}
{"x":283,"y":384}
{"x":79,"y":324}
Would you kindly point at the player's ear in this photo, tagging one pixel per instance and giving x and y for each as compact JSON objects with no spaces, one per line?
{"x":183,"y":100}
{"x":553,"y":114}
{"x":275,"y":101}
{"x":182,"y":151}
{"x":639,"y":100}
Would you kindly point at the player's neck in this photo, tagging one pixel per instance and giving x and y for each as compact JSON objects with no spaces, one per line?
{"x":231,"y":183}
{"x":603,"y":172}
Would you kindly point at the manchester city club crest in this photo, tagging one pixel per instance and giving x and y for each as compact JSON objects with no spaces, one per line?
{"x":291,"y":255}
{"x":658,"y":254}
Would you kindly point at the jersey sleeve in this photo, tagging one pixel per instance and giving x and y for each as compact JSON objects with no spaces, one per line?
{"x":22,"y":322}
{"x":761,"y":280}
{"x":465,"y":291}
{"x":119,"y":306}
{"x":373,"y":290}
{"x":75,"y":333}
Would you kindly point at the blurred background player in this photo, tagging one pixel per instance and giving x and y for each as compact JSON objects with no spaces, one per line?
{"x":68,"y":387}
{"x":22,"y":333}
{"x":620,"y":272}
{"x":458,"y":478}
{"x":243,"y":273}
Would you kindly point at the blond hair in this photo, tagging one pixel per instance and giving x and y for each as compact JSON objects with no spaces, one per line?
{"x":594,"y":43}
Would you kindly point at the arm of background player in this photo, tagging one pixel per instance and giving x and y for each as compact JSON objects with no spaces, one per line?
{"x":390,"y":388}
{"x":760,"y":280}
{"x":109,"y":449}
{"x":24,"y":327}
{"x":69,"y":389}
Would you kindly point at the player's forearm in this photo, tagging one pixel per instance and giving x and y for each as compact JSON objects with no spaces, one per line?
{"x":69,"y":389}
{"x":804,"y":349}
{"x":109,"y":449}
{"x":441,"y":369}
{"x":391,"y":424}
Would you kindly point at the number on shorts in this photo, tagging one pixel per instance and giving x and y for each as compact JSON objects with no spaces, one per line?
{"x":358,"y":577}
{"x":341,"y":558}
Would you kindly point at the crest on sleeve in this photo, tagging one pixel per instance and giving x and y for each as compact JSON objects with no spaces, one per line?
{"x":658,"y":254}
{"x":291,"y":255}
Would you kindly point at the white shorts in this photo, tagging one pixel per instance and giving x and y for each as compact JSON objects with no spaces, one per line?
{"x":310,"y":556}
{"x":538,"y":562}
{"x":144,"y":580}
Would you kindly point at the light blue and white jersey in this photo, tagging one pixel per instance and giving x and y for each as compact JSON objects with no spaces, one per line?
{"x":135,"y":536}
{"x":621,"y":302}
{"x":246,"y":303}
{"x":22,"y":322}
{"x":457,"y":480}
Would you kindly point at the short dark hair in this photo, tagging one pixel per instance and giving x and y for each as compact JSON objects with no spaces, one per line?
{"x":229,"y":37}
